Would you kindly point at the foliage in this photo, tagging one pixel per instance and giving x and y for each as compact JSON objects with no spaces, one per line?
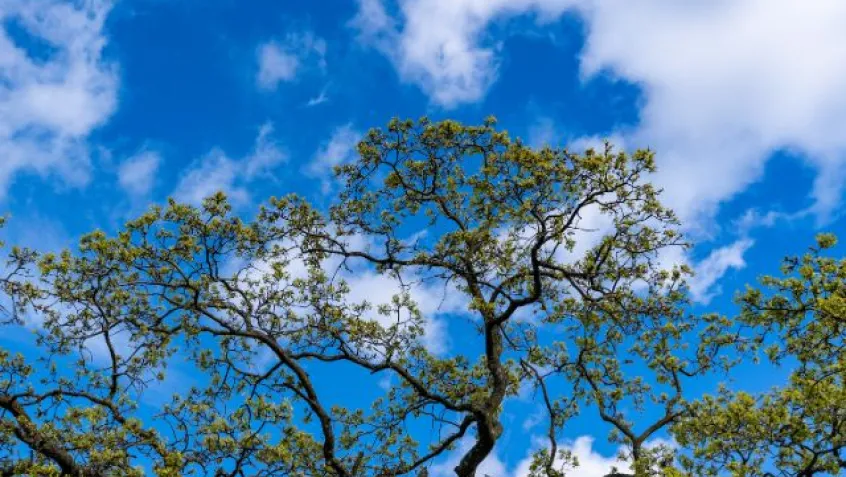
{"x":798,"y":429}
{"x":556,"y":259}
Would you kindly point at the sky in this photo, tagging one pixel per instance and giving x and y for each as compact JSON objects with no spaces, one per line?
{"x":109,"y":106}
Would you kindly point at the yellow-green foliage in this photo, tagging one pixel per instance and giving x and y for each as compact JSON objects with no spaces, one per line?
{"x":255,"y":306}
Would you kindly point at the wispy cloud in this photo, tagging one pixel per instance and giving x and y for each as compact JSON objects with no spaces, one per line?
{"x":282,"y":61}
{"x":137,"y":174}
{"x":339,"y":149}
{"x":703,"y":286}
{"x":319,"y":99}
{"x":216,"y":171}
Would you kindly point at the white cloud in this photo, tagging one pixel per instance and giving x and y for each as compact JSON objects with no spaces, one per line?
{"x":137,"y":174}
{"x":339,"y":149}
{"x":712,"y":268}
{"x":543,"y":132}
{"x":754,"y":218}
{"x":275,"y":65}
{"x":441,"y":45}
{"x":434,"y":299}
{"x":591,"y":462}
{"x":597,"y":143}
{"x":218,"y":172}
{"x":282,"y":61}
{"x":492,"y":466}
{"x":373,"y":23}
{"x":538,"y":416}
{"x":433,"y":302}
{"x":38,"y":232}
{"x":725,"y":83}
{"x":704,"y":285}
{"x":592,"y":225}
{"x":50,"y":104}
{"x":211,"y":173}
{"x":267,"y":154}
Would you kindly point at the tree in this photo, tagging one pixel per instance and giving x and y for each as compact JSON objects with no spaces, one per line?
{"x":507,"y":219}
{"x":553,"y":259}
{"x":798,"y":429}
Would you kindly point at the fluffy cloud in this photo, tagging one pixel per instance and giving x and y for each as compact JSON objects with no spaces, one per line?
{"x":725,"y":83}
{"x":591,"y":462}
{"x":339,"y":149}
{"x":55,"y":87}
{"x":441,"y":44}
{"x":275,"y":65}
{"x":218,"y":172}
{"x":137,"y":174}
{"x":493,"y":466}
{"x":281,"y":61}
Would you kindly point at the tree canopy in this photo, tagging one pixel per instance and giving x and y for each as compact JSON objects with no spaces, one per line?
{"x":555,"y":266}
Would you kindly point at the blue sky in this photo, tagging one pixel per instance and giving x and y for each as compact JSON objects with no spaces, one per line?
{"x":107,"y":107}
